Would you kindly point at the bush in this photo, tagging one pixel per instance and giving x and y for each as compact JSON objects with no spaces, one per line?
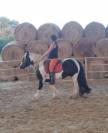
{"x":4,"y":40}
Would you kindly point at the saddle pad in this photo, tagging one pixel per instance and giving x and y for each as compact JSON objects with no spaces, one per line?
{"x":55,"y":66}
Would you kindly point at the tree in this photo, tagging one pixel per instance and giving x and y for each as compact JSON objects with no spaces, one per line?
{"x":4,"y":40}
{"x":4,"y":23}
{"x":13,"y":23}
{"x":7,"y":28}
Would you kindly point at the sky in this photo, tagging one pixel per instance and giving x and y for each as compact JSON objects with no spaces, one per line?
{"x":59,"y":12}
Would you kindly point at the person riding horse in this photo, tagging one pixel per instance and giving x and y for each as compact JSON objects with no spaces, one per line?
{"x":69,"y":67}
{"x":52,"y":56}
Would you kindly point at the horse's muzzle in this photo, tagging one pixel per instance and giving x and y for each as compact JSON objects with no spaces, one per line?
{"x":22,"y":66}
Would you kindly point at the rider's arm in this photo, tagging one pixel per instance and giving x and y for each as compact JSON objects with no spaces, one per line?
{"x":47,"y":52}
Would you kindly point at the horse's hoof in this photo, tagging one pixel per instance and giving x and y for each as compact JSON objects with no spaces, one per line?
{"x":56,"y":97}
{"x":83,"y":96}
{"x":34,"y":98}
{"x":73,"y":97}
{"x":86,"y":95}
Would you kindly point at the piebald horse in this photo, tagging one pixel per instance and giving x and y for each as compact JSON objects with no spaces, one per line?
{"x":70,"y":67}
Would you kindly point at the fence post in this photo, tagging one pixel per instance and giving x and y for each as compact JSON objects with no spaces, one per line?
{"x":86,"y":68}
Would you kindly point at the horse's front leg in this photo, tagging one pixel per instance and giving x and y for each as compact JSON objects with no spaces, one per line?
{"x":76,"y":86}
{"x":38,"y":92}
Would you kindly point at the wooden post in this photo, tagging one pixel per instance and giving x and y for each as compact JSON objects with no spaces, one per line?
{"x":86,"y":67}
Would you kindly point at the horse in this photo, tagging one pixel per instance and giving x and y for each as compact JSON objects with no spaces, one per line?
{"x":70,"y":67}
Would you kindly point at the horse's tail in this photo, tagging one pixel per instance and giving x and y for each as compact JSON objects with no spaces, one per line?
{"x":84,"y":88}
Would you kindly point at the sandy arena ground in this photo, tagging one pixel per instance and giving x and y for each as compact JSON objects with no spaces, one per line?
{"x":19,"y":114}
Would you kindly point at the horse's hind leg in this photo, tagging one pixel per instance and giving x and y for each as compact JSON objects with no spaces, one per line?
{"x":76,"y":86}
{"x":36,"y":95}
{"x":54,"y":90}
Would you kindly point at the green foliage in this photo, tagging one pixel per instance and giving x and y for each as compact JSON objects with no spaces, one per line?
{"x":13,"y":23}
{"x":7,"y":28}
{"x":4,"y":40}
{"x":5,"y":23}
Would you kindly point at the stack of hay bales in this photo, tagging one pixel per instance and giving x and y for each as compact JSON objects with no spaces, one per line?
{"x":102,"y":48}
{"x":12,"y":56}
{"x":106,"y":31}
{"x":37,"y":48}
{"x":65,"y":48}
{"x":46,"y":30}
{"x":84,"y":48}
{"x":24,"y":33}
{"x":12,"y":51}
{"x":95,"y":31}
{"x":72,"y":31}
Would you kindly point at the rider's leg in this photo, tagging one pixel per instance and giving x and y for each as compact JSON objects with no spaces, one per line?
{"x":52,"y":77}
{"x":51,"y":71}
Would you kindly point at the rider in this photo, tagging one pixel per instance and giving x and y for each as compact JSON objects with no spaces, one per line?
{"x":52,"y":55}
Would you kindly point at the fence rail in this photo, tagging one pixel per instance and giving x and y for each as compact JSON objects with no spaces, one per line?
{"x":90,"y":68}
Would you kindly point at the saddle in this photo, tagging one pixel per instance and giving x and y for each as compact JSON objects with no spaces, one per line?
{"x":53,"y":65}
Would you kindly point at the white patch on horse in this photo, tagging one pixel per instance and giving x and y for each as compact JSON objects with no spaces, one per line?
{"x":76,"y":87}
{"x":75,"y":78}
{"x":42,"y":71}
{"x":25,"y":56}
{"x":58,"y":75}
{"x":55,"y":90}
{"x":36,"y":95}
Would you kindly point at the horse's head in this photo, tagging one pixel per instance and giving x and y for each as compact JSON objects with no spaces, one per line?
{"x":26,"y":61}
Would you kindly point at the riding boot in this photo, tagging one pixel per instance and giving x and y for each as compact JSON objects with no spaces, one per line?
{"x":52,"y":77}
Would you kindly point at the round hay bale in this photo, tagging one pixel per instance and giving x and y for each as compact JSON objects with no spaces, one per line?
{"x":102,"y":48}
{"x":106,"y":31}
{"x":65,"y":49}
{"x":37,"y":48}
{"x":22,"y":45}
{"x":46,"y":30}
{"x":95,"y":30}
{"x":72,"y":31}
{"x":12,"y":52}
{"x":84,"y":48}
{"x":25,"y":32}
